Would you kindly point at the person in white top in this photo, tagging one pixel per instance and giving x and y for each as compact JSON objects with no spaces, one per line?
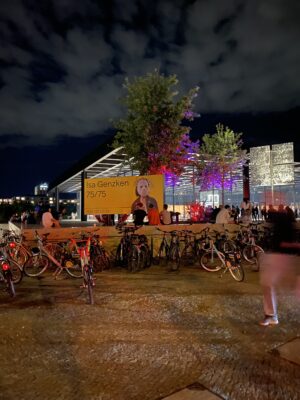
{"x":223,"y":216}
{"x":48,"y":221}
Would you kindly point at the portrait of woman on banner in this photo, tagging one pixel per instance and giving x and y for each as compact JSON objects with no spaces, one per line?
{"x":142,"y":190}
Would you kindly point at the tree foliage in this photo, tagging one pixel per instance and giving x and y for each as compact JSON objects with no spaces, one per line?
{"x":220,"y":155}
{"x":152,"y":133}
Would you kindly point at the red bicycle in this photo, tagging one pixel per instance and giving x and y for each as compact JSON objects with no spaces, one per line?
{"x":82,"y":247}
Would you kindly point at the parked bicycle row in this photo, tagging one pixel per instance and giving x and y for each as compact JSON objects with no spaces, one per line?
{"x":77,"y":257}
{"x":80,"y":257}
{"x":209,"y":249}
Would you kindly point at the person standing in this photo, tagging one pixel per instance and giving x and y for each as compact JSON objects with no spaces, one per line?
{"x":255,"y":213}
{"x":38,"y":212}
{"x":165,"y":216}
{"x":245,"y":207}
{"x":24,"y":217}
{"x":31,"y":219}
{"x":264,"y":213}
{"x":271,"y":213}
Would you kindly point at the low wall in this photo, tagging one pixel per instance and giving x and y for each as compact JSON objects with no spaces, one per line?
{"x":109,"y":235}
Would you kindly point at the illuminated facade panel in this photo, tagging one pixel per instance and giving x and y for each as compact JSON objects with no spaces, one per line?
{"x":274,"y":166}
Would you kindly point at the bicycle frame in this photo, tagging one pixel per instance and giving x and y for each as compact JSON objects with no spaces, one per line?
{"x":230,"y":262}
{"x":82,"y":247}
{"x":82,"y":251}
{"x":45,"y":252}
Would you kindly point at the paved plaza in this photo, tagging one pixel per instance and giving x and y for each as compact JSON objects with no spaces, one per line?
{"x":151,"y":335}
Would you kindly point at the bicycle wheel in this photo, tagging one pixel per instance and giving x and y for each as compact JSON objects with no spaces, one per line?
{"x":73,"y":267}
{"x":36,"y":265}
{"x":250,"y":253}
{"x":163,"y":253}
{"x":188,"y":255}
{"x":10,"y":286}
{"x":142,"y":258}
{"x":133,"y":259}
{"x":236,"y":270}
{"x":174,"y":258}
{"x":16,"y":272}
{"x":228,"y":246}
{"x":54,"y":249}
{"x":89,"y":283}
{"x":149,"y":257}
{"x":100,"y":261}
{"x":119,"y":258}
{"x":210,"y":261}
{"x":18,"y":254}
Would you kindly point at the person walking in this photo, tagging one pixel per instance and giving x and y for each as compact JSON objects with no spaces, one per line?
{"x":280,"y":263}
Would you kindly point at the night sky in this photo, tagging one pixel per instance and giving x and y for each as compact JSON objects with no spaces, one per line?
{"x":63,"y":63}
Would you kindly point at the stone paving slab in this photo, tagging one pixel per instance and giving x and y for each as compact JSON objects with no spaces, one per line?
{"x":291,"y":351}
{"x":148,"y":336}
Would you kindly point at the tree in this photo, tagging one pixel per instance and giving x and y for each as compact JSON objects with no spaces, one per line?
{"x":220,"y":155}
{"x":152,"y":133}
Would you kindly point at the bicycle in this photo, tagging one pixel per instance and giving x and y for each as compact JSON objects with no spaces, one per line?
{"x":194,"y":245}
{"x":82,"y":247}
{"x":170,"y":251}
{"x":213,"y":260}
{"x":252,"y":251}
{"x":190,"y":250}
{"x":99,"y":255}
{"x":164,"y":248}
{"x":10,"y":273}
{"x":224,"y":243}
{"x":133,"y":251}
{"x":121,"y":257}
{"x":174,"y":251}
{"x":15,"y":247}
{"x":42,"y":257}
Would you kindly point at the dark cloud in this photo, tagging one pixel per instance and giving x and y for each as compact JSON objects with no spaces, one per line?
{"x":63,"y":62}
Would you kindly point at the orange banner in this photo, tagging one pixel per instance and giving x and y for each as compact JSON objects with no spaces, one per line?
{"x":119,"y":195}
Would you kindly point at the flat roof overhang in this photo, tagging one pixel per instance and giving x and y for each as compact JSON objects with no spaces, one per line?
{"x":111,"y":164}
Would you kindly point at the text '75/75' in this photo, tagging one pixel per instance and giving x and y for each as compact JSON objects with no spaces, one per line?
{"x":96,"y":193}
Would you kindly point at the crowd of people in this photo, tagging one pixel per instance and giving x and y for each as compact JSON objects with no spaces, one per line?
{"x":43,"y":214}
{"x":148,"y":213}
{"x":248,"y":212}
